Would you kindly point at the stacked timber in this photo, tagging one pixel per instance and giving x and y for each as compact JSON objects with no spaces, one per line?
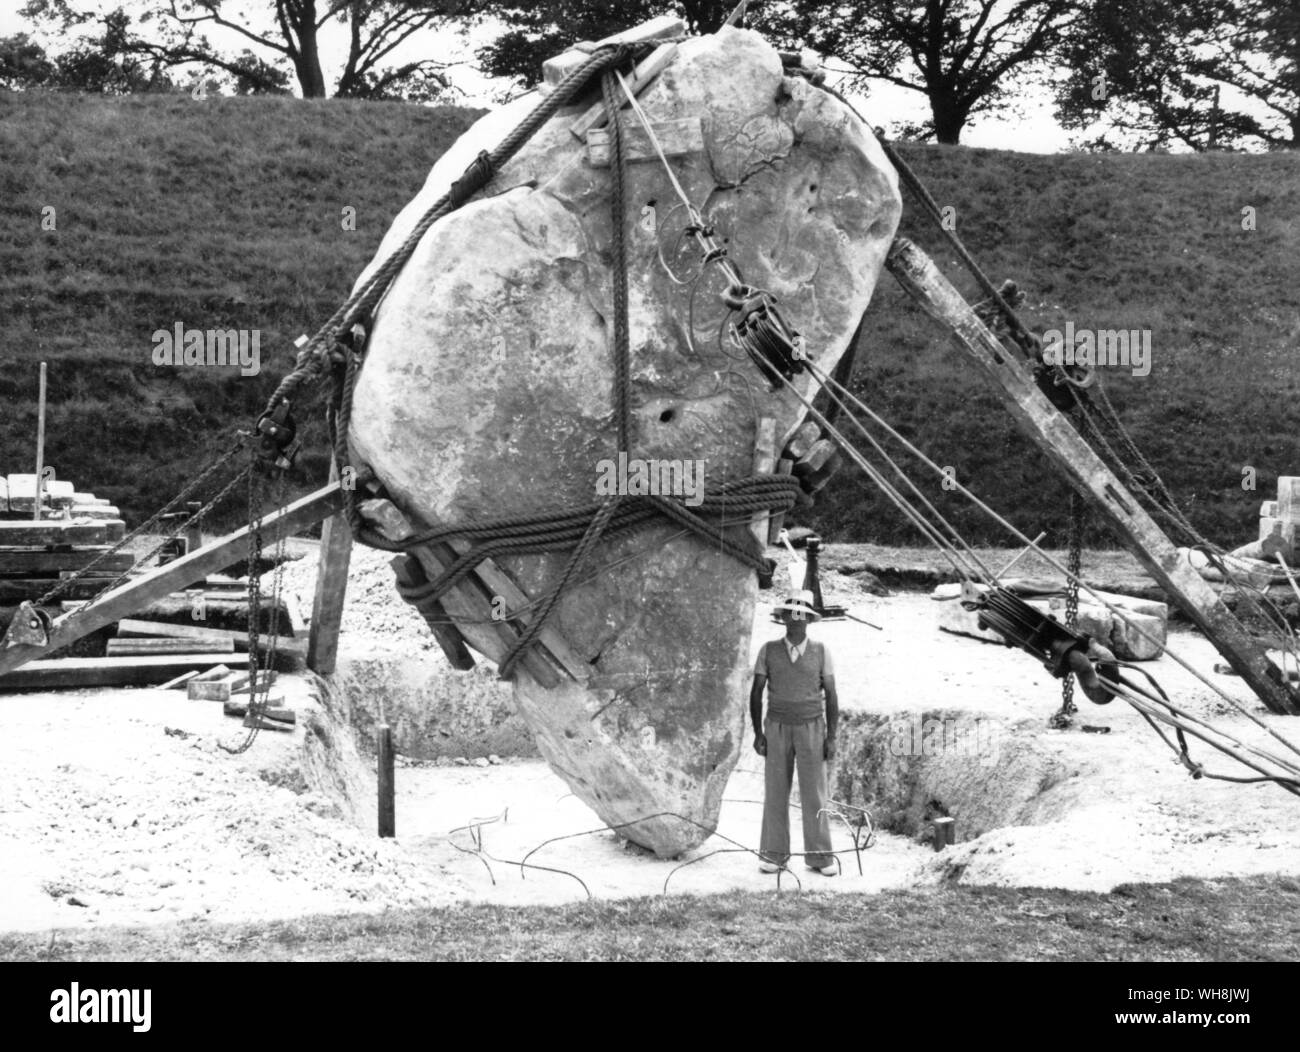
{"x":71,"y":531}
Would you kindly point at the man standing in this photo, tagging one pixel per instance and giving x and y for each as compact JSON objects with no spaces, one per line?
{"x":799,"y":732}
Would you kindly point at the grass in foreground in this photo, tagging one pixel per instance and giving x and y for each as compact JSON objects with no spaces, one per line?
{"x":1189,"y":920}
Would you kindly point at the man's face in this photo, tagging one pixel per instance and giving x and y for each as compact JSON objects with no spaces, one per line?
{"x":796,"y":624}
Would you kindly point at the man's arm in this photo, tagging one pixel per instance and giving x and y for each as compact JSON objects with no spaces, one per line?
{"x":832,"y":716}
{"x":756,"y":713}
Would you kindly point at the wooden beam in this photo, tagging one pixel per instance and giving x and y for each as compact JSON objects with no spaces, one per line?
{"x":162,"y":581}
{"x":331,"y":591}
{"x":38,"y":560}
{"x":1052,"y":432}
{"x":20,"y":589}
{"x":500,"y":583}
{"x":57,"y":673}
{"x":19,"y":534}
{"x":764,"y":462}
{"x":677,"y":138}
{"x":130,"y":628}
{"x":646,"y":71}
{"x":40,"y":444}
{"x":469,"y":603}
{"x":167,"y":645}
{"x":556,"y":68}
{"x":777,"y":519}
{"x":410,"y":574}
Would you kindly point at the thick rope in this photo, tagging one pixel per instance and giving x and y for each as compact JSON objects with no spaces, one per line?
{"x":618,"y":213}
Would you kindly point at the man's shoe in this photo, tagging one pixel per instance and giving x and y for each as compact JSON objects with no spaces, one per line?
{"x":768,"y":867}
{"x":825,"y":871}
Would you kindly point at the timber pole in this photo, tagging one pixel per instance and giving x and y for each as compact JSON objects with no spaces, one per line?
{"x":1053,"y":433}
{"x":331,"y":590}
{"x":40,"y":446}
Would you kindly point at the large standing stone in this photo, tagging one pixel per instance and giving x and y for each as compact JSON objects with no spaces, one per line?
{"x":489,"y":376}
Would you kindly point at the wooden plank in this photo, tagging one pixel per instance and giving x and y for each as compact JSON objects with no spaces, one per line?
{"x":677,"y":138}
{"x":331,"y":591}
{"x":129,"y":628}
{"x":409,"y":574}
{"x":21,"y":493}
{"x":499,"y":583}
{"x":94,"y":511}
{"x":777,"y":520}
{"x":272,"y":711}
{"x":1055,"y":436}
{"x":208,"y":690}
{"x":20,"y":589}
{"x":466,"y":603}
{"x":179,"y":681}
{"x":213,"y":674}
{"x":764,"y":462}
{"x":237,"y":640}
{"x":646,"y":71}
{"x":56,"y":673}
{"x":162,"y":581}
{"x":129,"y":647}
{"x":21,"y":534}
{"x":38,"y":560}
{"x":557,"y":67}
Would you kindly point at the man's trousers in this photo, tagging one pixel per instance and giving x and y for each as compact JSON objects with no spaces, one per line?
{"x":789,"y":746}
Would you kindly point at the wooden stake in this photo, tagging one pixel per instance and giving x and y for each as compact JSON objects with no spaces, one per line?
{"x":387,"y":791}
{"x":40,"y":445}
{"x":331,"y":591}
{"x":764,"y":462}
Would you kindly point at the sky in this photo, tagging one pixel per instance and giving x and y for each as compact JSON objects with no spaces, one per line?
{"x":1032,"y":129}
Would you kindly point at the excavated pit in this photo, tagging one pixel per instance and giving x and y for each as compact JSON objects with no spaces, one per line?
{"x":932,"y":725}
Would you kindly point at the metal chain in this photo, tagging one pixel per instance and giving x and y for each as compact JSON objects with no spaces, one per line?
{"x":221,"y":461}
{"x":253,"y":557}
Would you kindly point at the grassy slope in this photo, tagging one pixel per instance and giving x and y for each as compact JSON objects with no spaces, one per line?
{"x":1126,"y":241}
{"x":226,"y":213}
{"x":1189,"y":920}
{"x":221,"y":213}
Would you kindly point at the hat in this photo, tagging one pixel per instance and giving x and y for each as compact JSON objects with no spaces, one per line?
{"x":800,"y":602}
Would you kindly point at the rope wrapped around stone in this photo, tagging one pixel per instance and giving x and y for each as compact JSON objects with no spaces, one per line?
{"x":580,"y":528}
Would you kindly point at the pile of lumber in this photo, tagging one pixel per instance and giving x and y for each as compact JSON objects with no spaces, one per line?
{"x":235,"y":692}
{"x":72,"y":530}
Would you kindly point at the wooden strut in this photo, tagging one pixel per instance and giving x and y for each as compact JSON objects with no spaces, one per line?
{"x":470,"y":604}
{"x":133,"y":595}
{"x":1054,"y":435}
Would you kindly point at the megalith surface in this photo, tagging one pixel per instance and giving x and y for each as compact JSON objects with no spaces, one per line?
{"x":488,"y":382}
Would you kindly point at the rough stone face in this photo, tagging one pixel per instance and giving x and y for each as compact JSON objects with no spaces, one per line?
{"x":487,"y":391}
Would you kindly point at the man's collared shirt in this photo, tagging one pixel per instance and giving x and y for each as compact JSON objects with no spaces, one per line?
{"x":795,"y":651}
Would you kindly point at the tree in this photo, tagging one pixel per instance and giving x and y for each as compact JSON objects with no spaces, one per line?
{"x":960,"y":54}
{"x":104,"y":65}
{"x":1152,"y":72}
{"x":539,"y":30}
{"x":23,"y":63}
{"x":171,"y":33}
